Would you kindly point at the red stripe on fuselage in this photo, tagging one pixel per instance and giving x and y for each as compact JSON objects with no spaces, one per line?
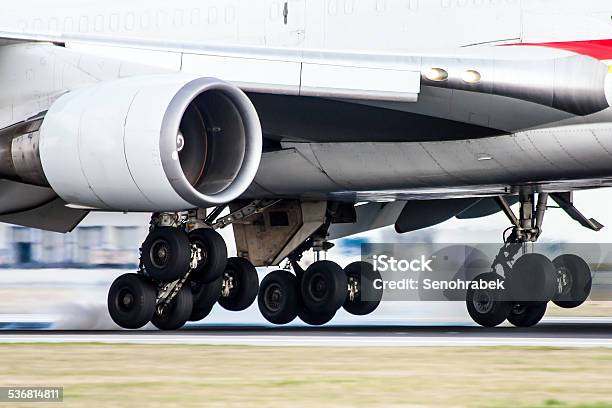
{"x":600,"y":49}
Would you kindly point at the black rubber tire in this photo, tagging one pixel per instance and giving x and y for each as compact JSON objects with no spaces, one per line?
{"x":533,"y":279}
{"x":140,"y":295}
{"x":278,"y":298}
{"x":175,"y":262}
{"x":323,"y":287}
{"x":177,"y":313}
{"x":205,"y":295}
{"x":246,"y":285}
{"x":365,"y":274}
{"x":527,"y":315}
{"x":581,"y":284}
{"x":492,"y":312}
{"x":200,"y":313}
{"x":313,"y":318}
{"x":214,"y":255}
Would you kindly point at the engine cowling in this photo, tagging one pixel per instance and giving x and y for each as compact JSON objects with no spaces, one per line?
{"x":154,"y":143}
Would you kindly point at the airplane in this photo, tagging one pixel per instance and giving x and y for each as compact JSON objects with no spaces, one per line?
{"x":305,"y":121}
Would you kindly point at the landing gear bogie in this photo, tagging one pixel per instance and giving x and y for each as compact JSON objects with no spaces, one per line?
{"x":322,"y":289}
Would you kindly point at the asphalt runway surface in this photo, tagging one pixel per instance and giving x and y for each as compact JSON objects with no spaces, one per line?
{"x":552,"y":333}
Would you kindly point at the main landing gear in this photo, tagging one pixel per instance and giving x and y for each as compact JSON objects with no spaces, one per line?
{"x":316,"y":294}
{"x":184,"y":272}
{"x":532,"y":280}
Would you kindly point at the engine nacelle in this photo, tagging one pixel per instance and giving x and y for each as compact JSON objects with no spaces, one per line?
{"x":154,"y":143}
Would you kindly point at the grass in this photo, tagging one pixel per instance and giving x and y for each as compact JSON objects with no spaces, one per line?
{"x":96,"y":375}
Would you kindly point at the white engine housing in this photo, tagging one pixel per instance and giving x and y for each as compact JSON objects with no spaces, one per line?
{"x":117,"y":145}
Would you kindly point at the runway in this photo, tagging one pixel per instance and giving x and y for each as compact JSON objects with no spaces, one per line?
{"x":554,"y":333}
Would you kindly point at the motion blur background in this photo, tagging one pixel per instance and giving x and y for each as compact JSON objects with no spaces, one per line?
{"x":60,"y":281}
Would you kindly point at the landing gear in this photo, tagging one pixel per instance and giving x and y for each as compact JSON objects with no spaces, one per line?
{"x":240,"y":285}
{"x":532,"y":280}
{"x":131,"y":301}
{"x":527,"y":314}
{"x":179,"y":276}
{"x":574,"y":281}
{"x":316,"y":294}
{"x":488,"y":307}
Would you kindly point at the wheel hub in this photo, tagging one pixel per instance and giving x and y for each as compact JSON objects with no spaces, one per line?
{"x":160,"y":253}
{"x":272,"y":297}
{"x":518,"y":309}
{"x":126,"y":300}
{"x":483,"y":302}
{"x":318,"y":287}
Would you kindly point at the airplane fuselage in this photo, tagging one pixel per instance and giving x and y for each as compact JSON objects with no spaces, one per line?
{"x":381,"y":25}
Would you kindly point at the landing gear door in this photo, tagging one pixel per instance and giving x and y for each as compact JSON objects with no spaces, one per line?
{"x":286,"y":23}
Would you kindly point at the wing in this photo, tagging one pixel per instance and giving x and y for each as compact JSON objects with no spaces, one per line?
{"x":416,"y":100}
{"x":554,"y":75}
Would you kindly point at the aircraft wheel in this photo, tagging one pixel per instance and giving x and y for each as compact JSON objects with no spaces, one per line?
{"x":313,"y":318}
{"x":278,"y":298}
{"x":177,"y":313}
{"x":214,"y":254}
{"x":364,"y":275}
{"x":533,"y":279}
{"x":574,"y":279}
{"x":131,"y":301}
{"x":487,"y":307}
{"x":166,"y":254}
{"x":242,"y":277}
{"x":205,"y":295}
{"x":324,"y":287}
{"x":527,"y":315}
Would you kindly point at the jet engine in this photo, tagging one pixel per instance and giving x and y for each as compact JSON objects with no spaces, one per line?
{"x":153,"y":143}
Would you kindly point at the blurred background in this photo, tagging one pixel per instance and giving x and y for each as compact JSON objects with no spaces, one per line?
{"x":60,"y":281}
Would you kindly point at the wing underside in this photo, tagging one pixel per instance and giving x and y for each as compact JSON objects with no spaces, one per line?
{"x":559,"y":79}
